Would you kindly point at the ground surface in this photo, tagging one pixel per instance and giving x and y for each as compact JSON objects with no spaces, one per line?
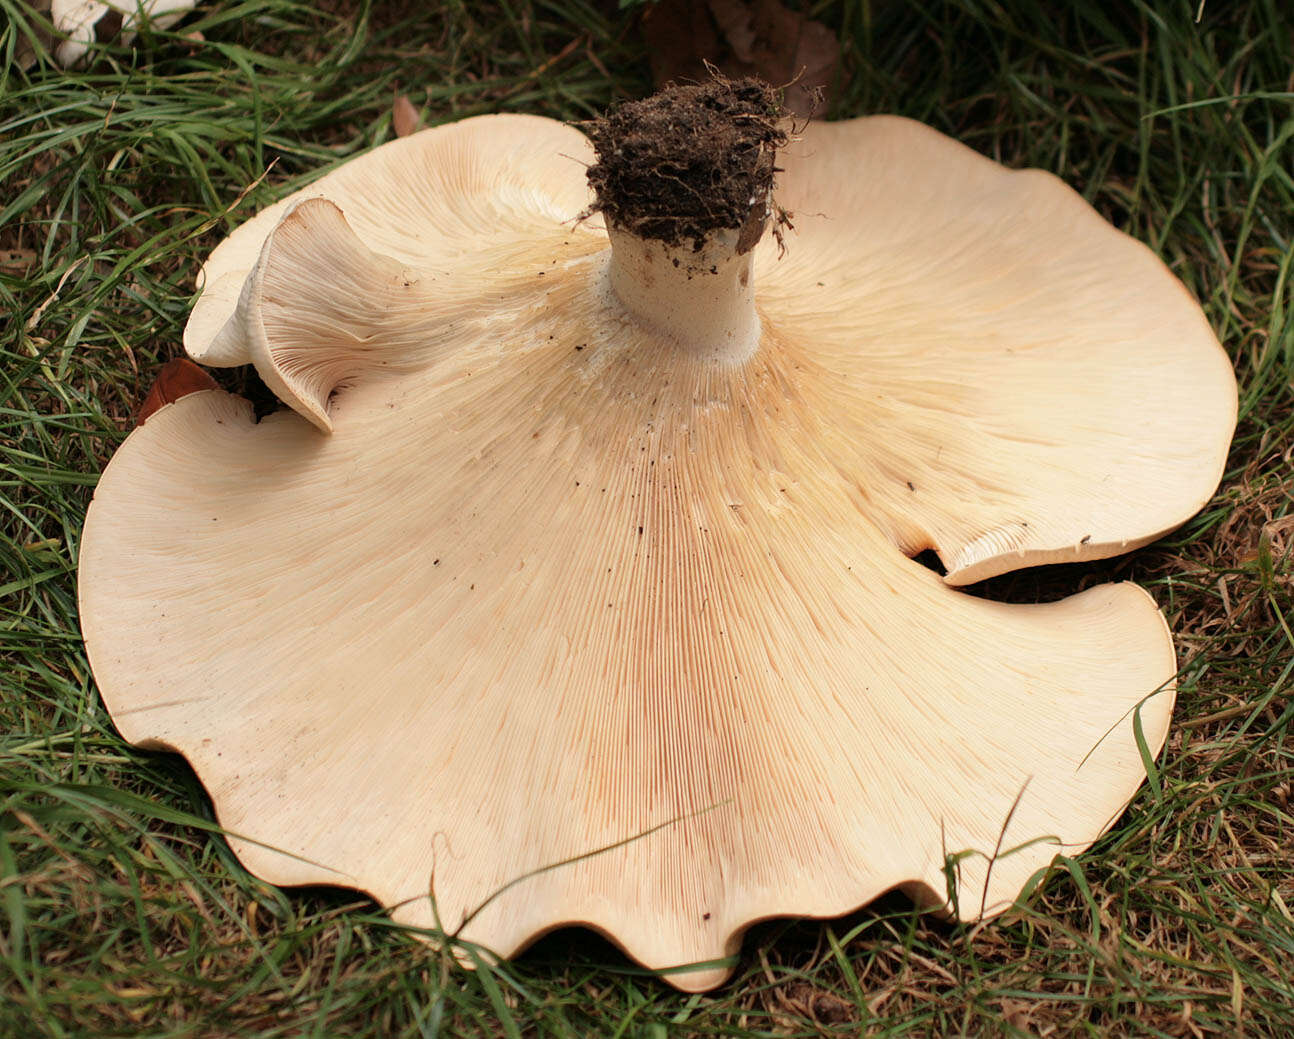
{"x":121,"y":910}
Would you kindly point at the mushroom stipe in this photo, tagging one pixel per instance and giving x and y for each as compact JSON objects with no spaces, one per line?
{"x":578,"y":576}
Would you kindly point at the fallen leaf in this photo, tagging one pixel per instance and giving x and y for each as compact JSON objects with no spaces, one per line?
{"x":17,"y":261}
{"x":761,"y":38}
{"x":178,"y":378}
{"x":404,"y":117}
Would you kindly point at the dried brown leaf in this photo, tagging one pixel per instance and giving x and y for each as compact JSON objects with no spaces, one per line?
{"x":178,"y":378}
{"x":17,"y":261}
{"x":404,"y":116}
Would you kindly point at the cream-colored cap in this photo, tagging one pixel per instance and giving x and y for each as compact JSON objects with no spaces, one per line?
{"x":539,"y":604}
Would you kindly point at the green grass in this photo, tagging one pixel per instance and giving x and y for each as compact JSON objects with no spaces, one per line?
{"x":123,"y":912}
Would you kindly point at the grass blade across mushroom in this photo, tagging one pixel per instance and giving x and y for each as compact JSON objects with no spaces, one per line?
{"x":566,"y":544}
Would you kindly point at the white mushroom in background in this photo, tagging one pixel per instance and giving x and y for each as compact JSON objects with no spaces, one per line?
{"x":76,"y":23}
{"x":572,"y":545}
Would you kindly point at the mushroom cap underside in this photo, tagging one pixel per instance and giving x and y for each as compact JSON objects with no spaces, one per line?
{"x":1017,"y":382}
{"x":502,"y":651}
{"x":550,"y":586}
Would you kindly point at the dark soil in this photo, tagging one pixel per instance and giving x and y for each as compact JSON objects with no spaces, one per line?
{"x":688,"y":161}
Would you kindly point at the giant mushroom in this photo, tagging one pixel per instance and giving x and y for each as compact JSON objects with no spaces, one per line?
{"x":576,"y":586}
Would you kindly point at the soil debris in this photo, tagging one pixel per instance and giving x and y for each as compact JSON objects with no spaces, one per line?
{"x":689,"y":161}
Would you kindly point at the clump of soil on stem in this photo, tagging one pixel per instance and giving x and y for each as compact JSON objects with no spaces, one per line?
{"x":689,"y":161}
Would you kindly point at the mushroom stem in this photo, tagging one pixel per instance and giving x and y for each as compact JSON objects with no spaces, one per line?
{"x":684,"y":180}
{"x":703,"y":299}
